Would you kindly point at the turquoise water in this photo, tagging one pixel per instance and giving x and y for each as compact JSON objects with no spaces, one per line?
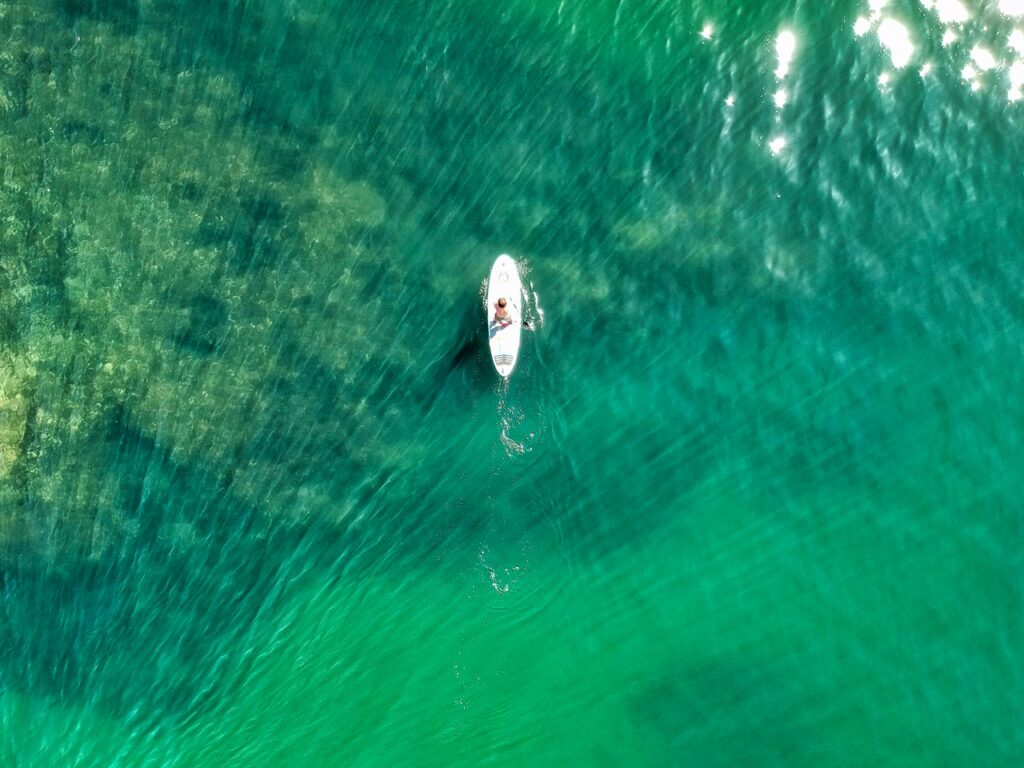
{"x":752,"y":496}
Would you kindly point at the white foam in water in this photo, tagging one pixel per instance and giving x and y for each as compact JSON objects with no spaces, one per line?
{"x":894,"y":36}
{"x":781,"y":97}
{"x":861,"y":25}
{"x":777,"y":144}
{"x":537,"y":307}
{"x":707,"y":31}
{"x":785,"y":49}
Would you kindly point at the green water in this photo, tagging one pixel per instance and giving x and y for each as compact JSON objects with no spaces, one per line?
{"x":752,"y":497}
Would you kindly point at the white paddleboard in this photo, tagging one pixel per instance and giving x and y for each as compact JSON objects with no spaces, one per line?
{"x":504,"y":337}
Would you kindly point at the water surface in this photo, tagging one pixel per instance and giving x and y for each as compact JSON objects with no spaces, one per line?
{"x":752,"y":496}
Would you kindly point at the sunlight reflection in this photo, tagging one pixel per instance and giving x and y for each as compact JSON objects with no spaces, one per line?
{"x":785,"y":48}
{"x":894,"y":36}
{"x":969,"y":29}
{"x":1012,"y":7}
{"x":970,"y":74}
{"x":983,"y":58}
{"x":1016,"y":41}
{"x":1016,"y":80}
{"x":707,"y":31}
{"x":950,"y":11}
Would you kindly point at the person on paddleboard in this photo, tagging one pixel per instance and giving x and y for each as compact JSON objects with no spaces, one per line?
{"x":501,"y":313}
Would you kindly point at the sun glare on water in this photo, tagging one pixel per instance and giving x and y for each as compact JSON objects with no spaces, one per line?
{"x":896,"y":39}
{"x":785,"y":50}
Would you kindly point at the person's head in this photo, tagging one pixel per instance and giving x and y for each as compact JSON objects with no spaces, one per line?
{"x":501,"y":303}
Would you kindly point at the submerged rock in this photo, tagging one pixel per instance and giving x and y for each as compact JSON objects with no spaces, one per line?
{"x":13,"y":414}
{"x":170,"y":289}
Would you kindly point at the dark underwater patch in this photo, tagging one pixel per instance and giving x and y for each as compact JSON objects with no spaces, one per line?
{"x":123,"y":14}
{"x":203,"y":326}
{"x":83,"y":131}
{"x":717,"y":714}
{"x":250,"y":229}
